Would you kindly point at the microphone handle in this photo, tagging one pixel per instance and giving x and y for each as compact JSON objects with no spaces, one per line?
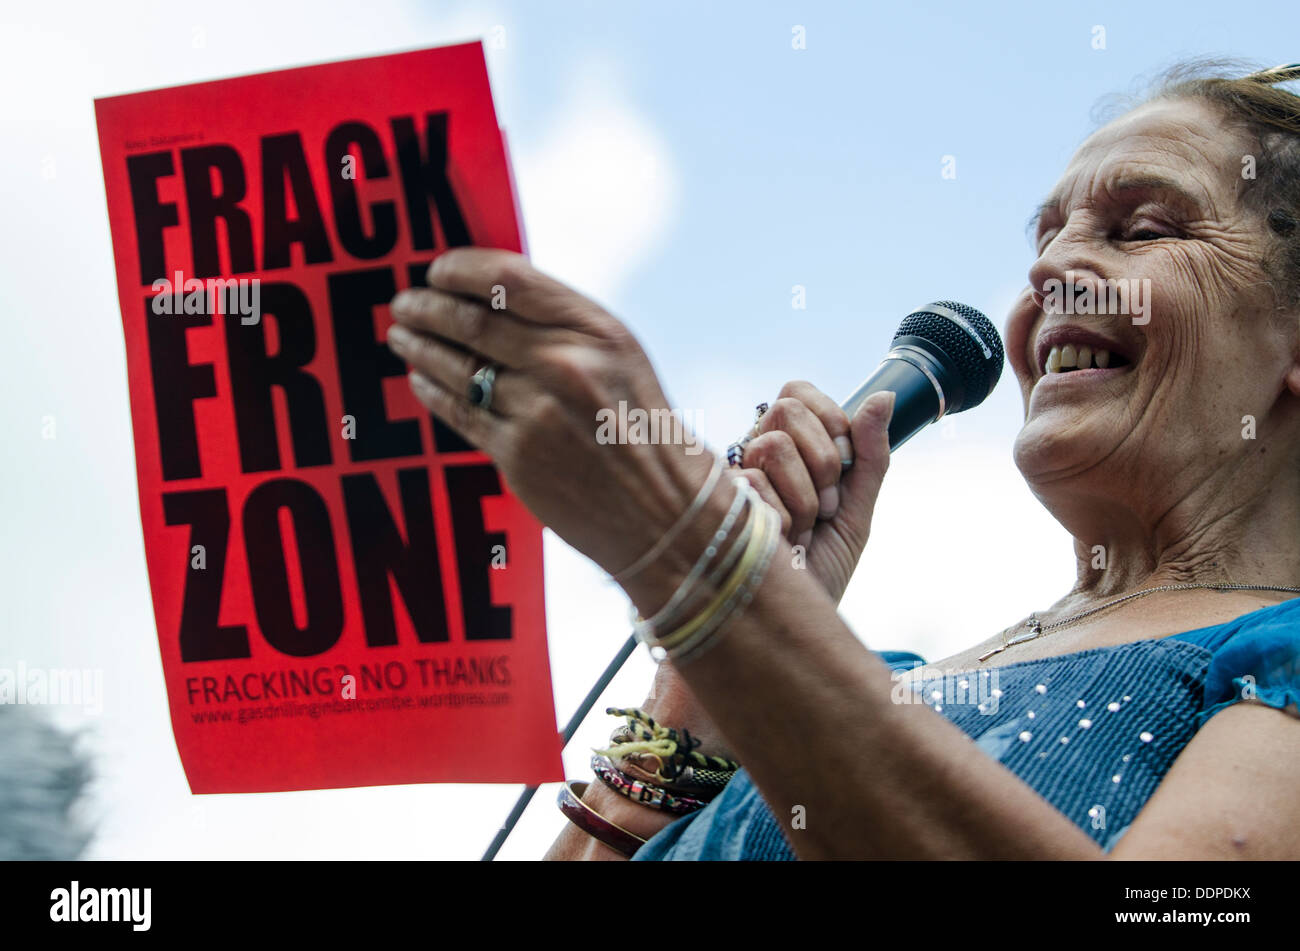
{"x":914,"y":376}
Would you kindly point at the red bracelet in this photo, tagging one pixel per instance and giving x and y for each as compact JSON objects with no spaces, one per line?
{"x":593,"y":823}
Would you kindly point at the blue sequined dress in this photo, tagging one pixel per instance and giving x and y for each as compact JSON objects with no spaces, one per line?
{"x":1092,"y":732}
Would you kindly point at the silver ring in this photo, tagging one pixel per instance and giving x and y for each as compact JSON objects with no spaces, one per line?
{"x":481,"y":385}
{"x":736,"y":454}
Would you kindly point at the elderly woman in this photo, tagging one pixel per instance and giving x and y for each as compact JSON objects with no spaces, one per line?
{"x":1148,"y":713}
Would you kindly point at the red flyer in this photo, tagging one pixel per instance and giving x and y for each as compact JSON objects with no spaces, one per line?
{"x":346,"y":594}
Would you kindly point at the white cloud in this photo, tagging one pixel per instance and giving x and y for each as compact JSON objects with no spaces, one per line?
{"x":600,"y":191}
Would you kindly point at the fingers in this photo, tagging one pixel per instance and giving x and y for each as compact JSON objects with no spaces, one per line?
{"x":759,"y":480}
{"x":871,"y":431}
{"x":777,"y":455}
{"x":508,"y":280}
{"x":470,"y":323}
{"x":470,"y":422}
{"x":861,"y":484}
{"x":828,"y":411}
{"x":451,"y":368}
{"x":816,"y":447}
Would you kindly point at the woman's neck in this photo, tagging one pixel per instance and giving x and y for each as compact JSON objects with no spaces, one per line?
{"x":1221,"y":535}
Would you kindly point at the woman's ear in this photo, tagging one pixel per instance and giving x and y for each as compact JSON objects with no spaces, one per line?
{"x":1292,"y":378}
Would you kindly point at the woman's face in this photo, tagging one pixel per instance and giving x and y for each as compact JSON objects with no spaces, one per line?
{"x":1146,"y":218}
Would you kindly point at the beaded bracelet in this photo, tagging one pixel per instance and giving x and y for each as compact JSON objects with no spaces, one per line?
{"x":697,"y":783}
{"x":656,"y":797}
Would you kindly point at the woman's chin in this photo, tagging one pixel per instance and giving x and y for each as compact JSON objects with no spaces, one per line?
{"x":1056,"y":444}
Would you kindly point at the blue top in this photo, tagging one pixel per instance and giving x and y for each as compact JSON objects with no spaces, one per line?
{"x":1092,"y":732}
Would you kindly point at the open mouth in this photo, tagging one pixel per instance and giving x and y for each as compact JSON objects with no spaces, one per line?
{"x":1067,"y":358}
{"x":1083,"y":353}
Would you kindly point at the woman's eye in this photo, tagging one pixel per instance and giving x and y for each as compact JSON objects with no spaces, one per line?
{"x":1144,"y":234}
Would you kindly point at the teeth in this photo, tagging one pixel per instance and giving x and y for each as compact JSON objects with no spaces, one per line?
{"x":1069,"y":357}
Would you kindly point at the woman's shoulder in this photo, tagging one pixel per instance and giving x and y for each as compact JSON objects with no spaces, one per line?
{"x":1254,"y":657}
{"x":1282,"y":619}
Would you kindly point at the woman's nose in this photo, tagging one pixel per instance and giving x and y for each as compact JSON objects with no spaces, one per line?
{"x":1067,"y":262}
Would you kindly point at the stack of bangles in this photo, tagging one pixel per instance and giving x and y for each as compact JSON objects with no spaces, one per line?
{"x":723,"y":579}
{"x":652,"y":765}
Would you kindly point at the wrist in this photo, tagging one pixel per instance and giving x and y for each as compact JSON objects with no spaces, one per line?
{"x":652,"y":587}
{"x":673,"y":703}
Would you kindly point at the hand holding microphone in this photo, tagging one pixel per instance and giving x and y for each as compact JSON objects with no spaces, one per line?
{"x":821,"y":465}
{"x":822,"y":470}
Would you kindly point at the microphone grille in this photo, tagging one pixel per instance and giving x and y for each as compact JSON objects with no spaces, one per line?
{"x":968,"y":338}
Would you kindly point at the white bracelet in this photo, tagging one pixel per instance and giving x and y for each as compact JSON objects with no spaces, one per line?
{"x":704,"y":638}
{"x":645,"y":628}
{"x":662,"y":545}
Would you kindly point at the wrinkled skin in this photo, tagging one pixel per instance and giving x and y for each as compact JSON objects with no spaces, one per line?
{"x":1152,"y":464}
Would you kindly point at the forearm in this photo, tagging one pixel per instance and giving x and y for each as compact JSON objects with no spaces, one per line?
{"x":808,"y":710}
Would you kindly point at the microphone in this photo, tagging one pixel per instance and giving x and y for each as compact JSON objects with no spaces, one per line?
{"x":946,"y":357}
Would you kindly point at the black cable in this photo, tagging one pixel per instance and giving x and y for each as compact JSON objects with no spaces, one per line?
{"x":575,"y":721}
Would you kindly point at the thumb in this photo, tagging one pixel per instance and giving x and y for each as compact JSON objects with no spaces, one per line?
{"x":860,"y":484}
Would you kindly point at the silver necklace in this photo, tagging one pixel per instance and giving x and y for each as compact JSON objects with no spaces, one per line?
{"x":1037,"y":628}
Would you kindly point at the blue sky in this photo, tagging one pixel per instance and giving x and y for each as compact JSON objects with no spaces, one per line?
{"x":681,"y":162}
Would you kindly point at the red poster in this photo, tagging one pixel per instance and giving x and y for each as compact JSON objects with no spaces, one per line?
{"x":346,"y":594}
